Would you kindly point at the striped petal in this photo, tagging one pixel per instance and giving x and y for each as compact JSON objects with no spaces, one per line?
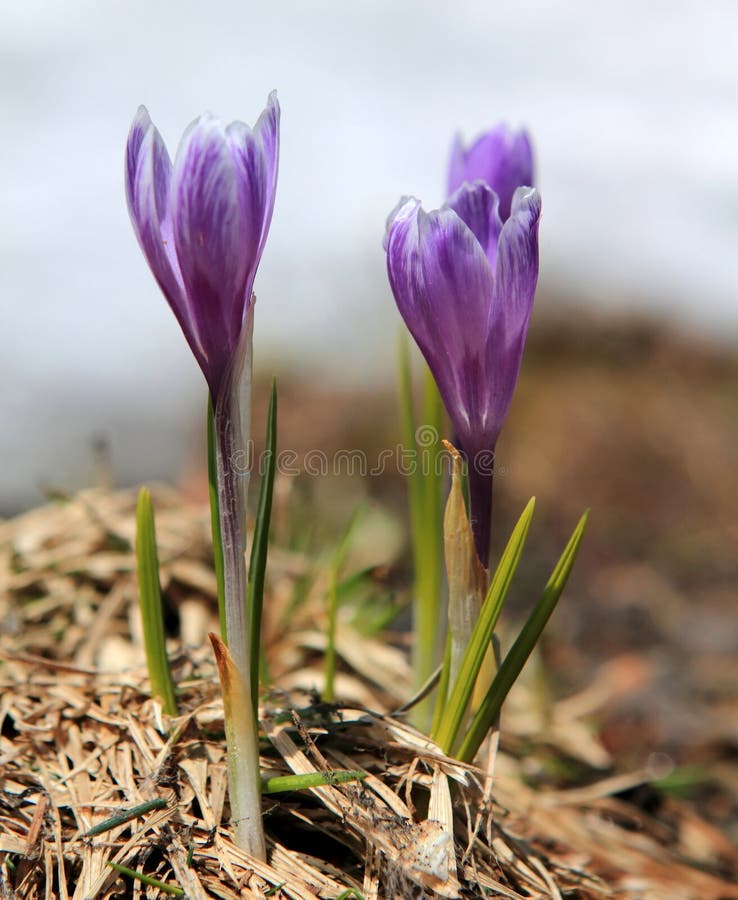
{"x":443,"y":283}
{"x":255,"y":154}
{"x":477,"y":205}
{"x":148,"y":176}
{"x":210,"y":237}
{"x":501,"y":157}
{"x":516,"y":276}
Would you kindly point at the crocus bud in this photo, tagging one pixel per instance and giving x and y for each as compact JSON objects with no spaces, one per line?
{"x":501,"y":158}
{"x":202,"y":223}
{"x":464,"y":283}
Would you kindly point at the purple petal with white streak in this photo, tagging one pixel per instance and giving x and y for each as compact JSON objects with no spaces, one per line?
{"x":501,"y":157}
{"x":477,"y":205}
{"x":516,"y":276}
{"x":442,"y":282}
{"x":148,"y":174}
{"x":255,"y":155}
{"x":213,"y":240}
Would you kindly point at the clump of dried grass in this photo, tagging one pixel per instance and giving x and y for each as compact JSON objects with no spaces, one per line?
{"x":79,"y":743}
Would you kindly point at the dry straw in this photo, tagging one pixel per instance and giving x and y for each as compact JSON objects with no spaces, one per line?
{"x":80,"y":747}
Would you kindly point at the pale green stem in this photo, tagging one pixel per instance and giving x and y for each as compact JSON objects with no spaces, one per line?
{"x":242,"y":758}
{"x":231,"y":431}
{"x":215,"y":516}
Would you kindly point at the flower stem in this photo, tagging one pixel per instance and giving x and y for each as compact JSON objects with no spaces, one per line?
{"x":480,"y":506}
{"x":215,"y":516}
{"x":231,"y":438}
{"x":244,"y":780}
{"x":232,"y":480}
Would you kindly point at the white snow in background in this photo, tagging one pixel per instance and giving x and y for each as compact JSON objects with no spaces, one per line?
{"x":633,"y":111}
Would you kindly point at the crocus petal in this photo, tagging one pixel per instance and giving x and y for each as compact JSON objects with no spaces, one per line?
{"x":442,"y":282}
{"x":501,"y":157}
{"x":259,"y":157}
{"x":148,"y":174}
{"x":209,"y":229}
{"x":516,"y":276}
{"x":139,"y":128}
{"x":477,"y":205}
{"x":255,"y":156}
{"x":404,"y":267}
{"x":458,"y":281}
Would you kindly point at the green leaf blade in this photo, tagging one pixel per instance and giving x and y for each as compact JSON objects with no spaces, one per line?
{"x":149,"y":594}
{"x":172,"y":889}
{"x":518,"y":654}
{"x":282,"y":783}
{"x":260,"y":546}
{"x":425,"y":497}
{"x":461,"y":691}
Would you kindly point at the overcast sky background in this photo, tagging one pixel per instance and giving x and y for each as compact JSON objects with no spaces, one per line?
{"x":633,"y":108}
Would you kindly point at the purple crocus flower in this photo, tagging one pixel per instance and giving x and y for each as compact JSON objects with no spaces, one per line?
{"x":501,"y":157}
{"x":202,"y":224}
{"x":464,"y":283}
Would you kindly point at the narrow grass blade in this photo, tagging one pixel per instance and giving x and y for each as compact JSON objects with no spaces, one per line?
{"x":339,"y":557}
{"x":434,"y":478}
{"x":374,"y":605}
{"x":461,"y":691}
{"x":215,"y":517}
{"x":414,"y":482}
{"x":425,"y":491}
{"x":149,"y":595}
{"x":443,"y":688}
{"x":147,"y":879}
{"x":521,"y":649}
{"x":376,"y":614}
{"x":260,"y":545}
{"x":134,"y":812}
{"x":281,"y":783}
{"x":430,"y":684}
{"x":353,"y":581}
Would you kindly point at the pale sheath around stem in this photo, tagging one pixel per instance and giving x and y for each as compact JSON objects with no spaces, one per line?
{"x":244,"y":782}
{"x":232,"y":419}
{"x":467,"y":577}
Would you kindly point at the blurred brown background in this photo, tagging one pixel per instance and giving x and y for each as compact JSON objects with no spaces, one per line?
{"x":638,"y":423}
